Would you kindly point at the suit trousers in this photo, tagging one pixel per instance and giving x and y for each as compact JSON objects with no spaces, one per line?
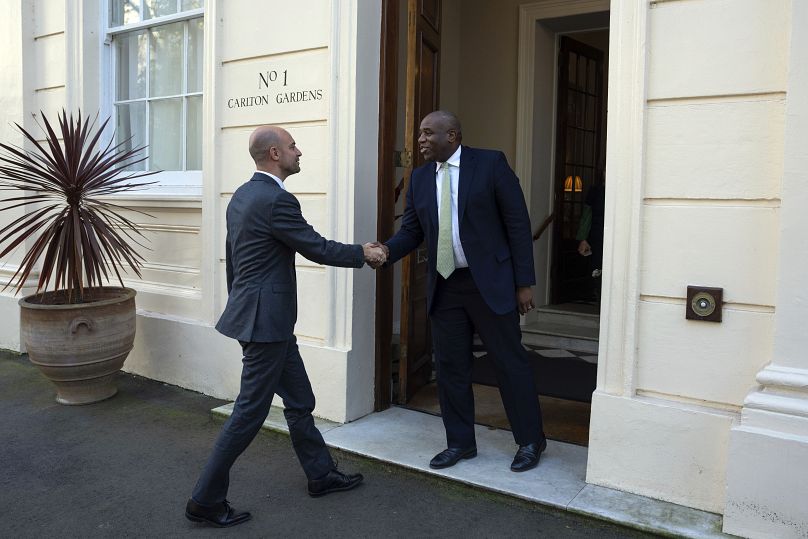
{"x":458,"y":311}
{"x":268,"y":369}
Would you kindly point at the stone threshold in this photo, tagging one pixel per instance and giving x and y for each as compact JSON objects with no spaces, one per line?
{"x":410,"y":439}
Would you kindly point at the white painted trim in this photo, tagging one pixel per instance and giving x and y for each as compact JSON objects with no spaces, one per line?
{"x":211,"y":225}
{"x":625,"y":158}
{"x":353,"y":132}
{"x":625,"y":163}
{"x":83,"y":57}
{"x":74,"y":54}
{"x":783,"y":377}
{"x":781,"y":404}
{"x":529,"y":14}
{"x":342,"y":185}
{"x":151,"y":200}
{"x":156,"y":21}
{"x":7,"y":271}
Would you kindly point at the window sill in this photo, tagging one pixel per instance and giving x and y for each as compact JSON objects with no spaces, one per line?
{"x":170,"y":196}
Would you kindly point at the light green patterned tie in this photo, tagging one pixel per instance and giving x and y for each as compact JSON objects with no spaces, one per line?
{"x":446,"y":263}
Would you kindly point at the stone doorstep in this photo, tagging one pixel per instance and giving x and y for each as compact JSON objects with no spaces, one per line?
{"x":558,"y":481}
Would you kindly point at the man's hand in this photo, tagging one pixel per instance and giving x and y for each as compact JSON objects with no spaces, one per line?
{"x":524,"y":299}
{"x":584,"y":249}
{"x":375,"y":254}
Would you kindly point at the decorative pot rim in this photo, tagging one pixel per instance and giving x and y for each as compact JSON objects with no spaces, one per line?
{"x":125,"y":295}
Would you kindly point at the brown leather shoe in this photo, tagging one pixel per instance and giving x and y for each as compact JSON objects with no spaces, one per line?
{"x":334,"y":481}
{"x":451,"y":456}
{"x":220,"y":515}
{"x":528,"y":456}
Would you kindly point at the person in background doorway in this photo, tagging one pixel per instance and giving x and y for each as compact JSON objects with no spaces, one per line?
{"x":265,"y":229}
{"x":590,"y":230}
{"x":468,"y":205}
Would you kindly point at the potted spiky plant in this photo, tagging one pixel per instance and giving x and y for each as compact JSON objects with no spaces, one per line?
{"x":76,"y":328}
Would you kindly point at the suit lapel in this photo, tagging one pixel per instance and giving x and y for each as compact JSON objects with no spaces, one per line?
{"x":432,"y":194}
{"x":465,"y":180}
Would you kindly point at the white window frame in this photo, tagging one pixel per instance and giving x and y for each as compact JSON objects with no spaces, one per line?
{"x":169,"y":182}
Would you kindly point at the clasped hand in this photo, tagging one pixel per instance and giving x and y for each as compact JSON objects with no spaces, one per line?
{"x":375,"y":254}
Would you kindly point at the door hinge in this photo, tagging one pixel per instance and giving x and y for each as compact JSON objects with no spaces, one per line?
{"x":402,"y":159}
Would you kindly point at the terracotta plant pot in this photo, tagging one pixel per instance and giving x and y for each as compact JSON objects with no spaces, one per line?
{"x":80,"y":347}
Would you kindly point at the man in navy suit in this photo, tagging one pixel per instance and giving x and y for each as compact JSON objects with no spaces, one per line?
{"x":468,"y":205}
{"x":265,"y":229}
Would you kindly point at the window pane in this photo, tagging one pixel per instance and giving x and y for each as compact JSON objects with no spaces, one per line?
{"x":158,"y":8}
{"x":165,"y":68}
{"x":590,"y":112}
{"x":193,"y":137}
{"x":582,"y":73}
{"x":131,"y":66}
{"x":130,"y":129}
{"x":192,"y":4}
{"x":165,"y":134}
{"x":195,"y":47}
{"x":124,"y":12}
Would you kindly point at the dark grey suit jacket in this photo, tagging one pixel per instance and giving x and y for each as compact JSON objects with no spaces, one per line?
{"x":264,"y":230}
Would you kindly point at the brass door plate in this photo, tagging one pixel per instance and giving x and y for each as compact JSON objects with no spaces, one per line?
{"x":704,"y":303}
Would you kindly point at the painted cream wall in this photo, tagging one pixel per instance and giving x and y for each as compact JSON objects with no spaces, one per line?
{"x":326,"y":46}
{"x":15,"y":24}
{"x":487,"y":66}
{"x":33,"y":80}
{"x":767,"y":480}
{"x":707,"y":212}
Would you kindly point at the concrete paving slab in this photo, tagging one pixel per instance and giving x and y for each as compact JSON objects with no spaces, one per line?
{"x":409,"y":439}
{"x":647,"y":514}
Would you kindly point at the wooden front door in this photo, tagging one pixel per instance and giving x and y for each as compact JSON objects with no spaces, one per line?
{"x":423,"y":68}
{"x":578,"y":163}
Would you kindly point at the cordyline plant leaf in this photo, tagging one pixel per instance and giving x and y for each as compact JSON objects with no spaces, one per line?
{"x":79,"y":238}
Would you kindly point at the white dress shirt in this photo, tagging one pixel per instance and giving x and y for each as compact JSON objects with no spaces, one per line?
{"x":273,"y":177}
{"x":454,"y":180}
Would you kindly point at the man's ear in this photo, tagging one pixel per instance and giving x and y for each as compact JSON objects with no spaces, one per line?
{"x":274,"y":154}
{"x":451,"y":135}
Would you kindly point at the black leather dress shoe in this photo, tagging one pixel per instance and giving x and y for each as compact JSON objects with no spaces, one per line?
{"x":334,"y":481}
{"x":528,"y":456}
{"x":220,"y":515}
{"x":450,"y":457}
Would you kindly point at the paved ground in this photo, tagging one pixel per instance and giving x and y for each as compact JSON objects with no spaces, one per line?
{"x":125,"y":467}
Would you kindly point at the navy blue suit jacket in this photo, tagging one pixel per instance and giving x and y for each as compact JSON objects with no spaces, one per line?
{"x":494,"y":226}
{"x":264,"y":230}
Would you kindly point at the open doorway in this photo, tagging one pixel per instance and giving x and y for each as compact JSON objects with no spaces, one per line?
{"x":462,"y":57}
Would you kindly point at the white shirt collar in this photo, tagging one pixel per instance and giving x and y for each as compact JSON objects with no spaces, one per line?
{"x":278,"y":180}
{"x":454,"y":160}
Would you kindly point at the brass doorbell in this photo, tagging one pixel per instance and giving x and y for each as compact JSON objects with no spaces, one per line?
{"x":704,"y":303}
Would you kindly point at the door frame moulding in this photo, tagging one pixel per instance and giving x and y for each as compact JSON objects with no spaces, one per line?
{"x":625,"y":162}
{"x":529,"y":15}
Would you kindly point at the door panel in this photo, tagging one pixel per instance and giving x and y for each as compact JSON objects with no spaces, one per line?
{"x":578,"y":164}
{"x":423,"y":67}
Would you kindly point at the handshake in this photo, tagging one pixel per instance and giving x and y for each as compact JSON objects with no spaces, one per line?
{"x":375,"y":254}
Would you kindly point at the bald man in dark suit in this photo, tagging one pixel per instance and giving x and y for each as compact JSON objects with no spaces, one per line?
{"x":265,"y":228}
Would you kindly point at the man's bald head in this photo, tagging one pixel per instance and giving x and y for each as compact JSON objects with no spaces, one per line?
{"x":274,"y":150}
{"x":447,"y":120}
{"x":439,"y":136}
{"x":262,"y":139}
